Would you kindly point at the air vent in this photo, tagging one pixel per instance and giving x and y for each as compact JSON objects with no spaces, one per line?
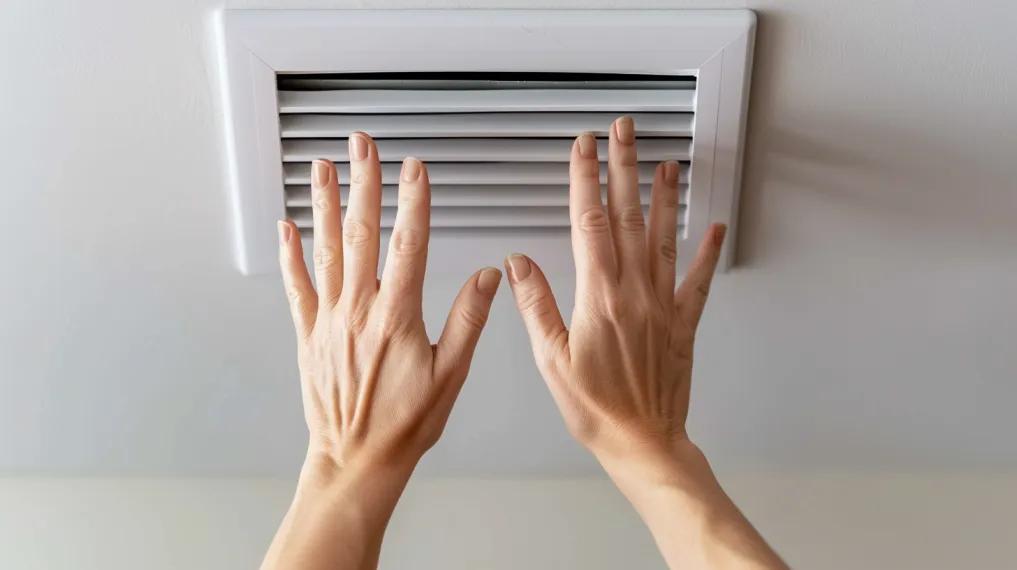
{"x":491,"y":100}
{"x":496,"y":144}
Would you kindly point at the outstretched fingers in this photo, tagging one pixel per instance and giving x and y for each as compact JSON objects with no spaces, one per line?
{"x":538,"y":308}
{"x":465,"y":322}
{"x":628,"y":227}
{"x":402,"y":281}
{"x":695,"y":288}
{"x":663,"y":232}
{"x":591,"y":228}
{"x":363,"y":218}
{"x":303,"y":300}
{"x":328,"y":246}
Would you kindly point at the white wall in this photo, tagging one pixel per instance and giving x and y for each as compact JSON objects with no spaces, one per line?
{"x":828,"y":521}
{"x":868,"y":328}
{"x":869,"y":323}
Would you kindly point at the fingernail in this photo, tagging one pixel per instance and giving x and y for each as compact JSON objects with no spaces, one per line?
{"x":518,"y":266}
{"x":718,"y":234}
{"x":671,"y":173}
{"x":322,"y":172}
{"x":587,"y":146}
{"x":488,"y":280}
{"x":284,"y":232}
{"x":625,"y":130}
{"x":411,"y":169}
{"x":358,"y":146}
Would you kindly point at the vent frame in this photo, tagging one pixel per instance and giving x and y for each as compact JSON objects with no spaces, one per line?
{"x":714,"y":46}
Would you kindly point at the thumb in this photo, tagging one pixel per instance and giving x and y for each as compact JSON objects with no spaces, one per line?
{"x":537,"y":306}
{"x":466,"y":320}
{"x":690,"y":298}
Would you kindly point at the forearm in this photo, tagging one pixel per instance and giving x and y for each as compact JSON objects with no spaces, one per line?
{"x":338,"y":517}
{"x":694,"y":522}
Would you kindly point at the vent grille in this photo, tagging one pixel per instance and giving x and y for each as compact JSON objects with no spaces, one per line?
{"x":496,"y":144}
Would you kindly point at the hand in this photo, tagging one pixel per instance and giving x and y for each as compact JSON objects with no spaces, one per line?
{"x":621,"y":373}
{"x":376,"y":392}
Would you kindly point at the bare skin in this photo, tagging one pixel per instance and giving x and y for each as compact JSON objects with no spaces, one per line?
{"x":622,"y":371}
{"x":377,"y":393}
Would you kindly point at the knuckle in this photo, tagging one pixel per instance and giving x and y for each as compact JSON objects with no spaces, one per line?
{"x":547,"y":357}
{"x":630,"y":219}
{"x":669,"y":249}
{"x":533,"y":302}
{"x":473,"y":317}
{"x":594,"y":220}
{"x":406,"y":241}
{"x":298,"y":298}
{"x":356,"y":233}
{"x":322,"y":200}
{"x":325,"y":257}
{"x":703,"y":288}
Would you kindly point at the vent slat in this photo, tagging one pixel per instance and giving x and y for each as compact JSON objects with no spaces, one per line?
{"x":489,"y":195}
{"x":478,"y":101}
{"x":521,"y":217}
{"x":476,"y":150}
{"x":483,"y":173}
{"x":481,"y":125}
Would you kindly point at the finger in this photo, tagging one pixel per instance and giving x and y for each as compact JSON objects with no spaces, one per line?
{"x":403,"y":278}
{"x":328,"y":249}
{"x":695,"y":288}
{"x":363,"y":218}
{"x":466,"y":320}
{"x":537,"y":306}
{"x":662,"y":239}
{"x":591,"y":230}
{"x":627,"y":226}
{"x":296,"y":280}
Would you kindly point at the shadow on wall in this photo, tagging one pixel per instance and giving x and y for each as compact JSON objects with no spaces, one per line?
{"x":941,"y":170}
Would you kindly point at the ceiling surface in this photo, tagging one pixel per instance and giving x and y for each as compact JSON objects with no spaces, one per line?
{"x":869,"y":323}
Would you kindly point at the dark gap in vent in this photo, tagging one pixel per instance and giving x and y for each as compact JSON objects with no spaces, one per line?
{"x":498,"y":75}
{"x":480,"y":80}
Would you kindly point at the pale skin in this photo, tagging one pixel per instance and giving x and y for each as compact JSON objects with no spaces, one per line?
{"x":377,"y":393}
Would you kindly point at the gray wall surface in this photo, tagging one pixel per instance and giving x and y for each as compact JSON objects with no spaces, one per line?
{"x":869,"y":324}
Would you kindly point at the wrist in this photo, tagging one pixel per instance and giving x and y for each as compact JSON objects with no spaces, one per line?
{"x":678,"y":479}
{"x":362,"y":494}
{"x":678,"y":468}
{"x":652,"y":461}
{"x":321,"y":471}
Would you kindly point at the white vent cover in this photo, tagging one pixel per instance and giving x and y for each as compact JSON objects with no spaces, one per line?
{"x":497,"y":145}
{"x":491,"y":100}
